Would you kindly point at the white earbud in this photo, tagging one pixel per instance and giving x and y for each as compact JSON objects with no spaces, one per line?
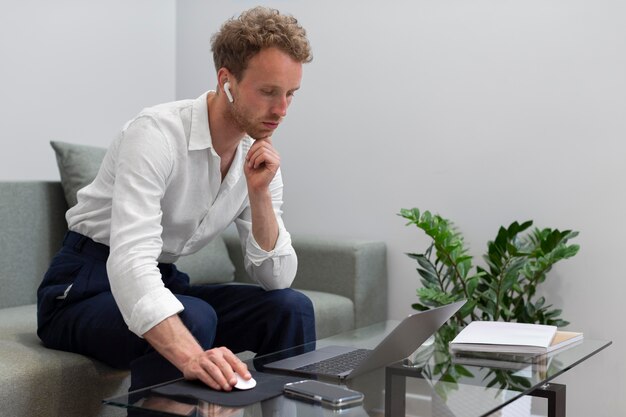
{"x":227,"y":91}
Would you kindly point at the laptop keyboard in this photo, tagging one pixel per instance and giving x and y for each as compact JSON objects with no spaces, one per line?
{"x":338,"y":364}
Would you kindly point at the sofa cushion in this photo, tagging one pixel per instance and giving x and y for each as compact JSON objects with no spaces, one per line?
{"x":333,"y":313}
{"x":79,"y":165}
{"x":37,"y":381}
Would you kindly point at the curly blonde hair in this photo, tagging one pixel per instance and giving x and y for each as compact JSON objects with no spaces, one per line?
{"x":239,"y":39}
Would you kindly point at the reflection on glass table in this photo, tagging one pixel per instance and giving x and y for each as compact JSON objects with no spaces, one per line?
{"x":446,"y":386}
{"x":477,"y":384}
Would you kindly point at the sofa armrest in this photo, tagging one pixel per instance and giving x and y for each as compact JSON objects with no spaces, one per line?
{"x":32,"y":226}
{"x":352,"y":268}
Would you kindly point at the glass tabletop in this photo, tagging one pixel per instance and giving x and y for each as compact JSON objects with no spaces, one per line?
{"x":438,"y":384}
{"x":478,"y":385}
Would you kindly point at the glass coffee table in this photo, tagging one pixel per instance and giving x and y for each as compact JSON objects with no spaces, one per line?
{"x":433,"y":384}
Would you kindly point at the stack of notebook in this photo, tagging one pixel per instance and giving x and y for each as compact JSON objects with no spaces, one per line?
{"x":512,"y":338}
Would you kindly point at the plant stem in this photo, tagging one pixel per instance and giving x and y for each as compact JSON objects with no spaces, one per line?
{"x":500,"y":279}
{"x":459,"y":277}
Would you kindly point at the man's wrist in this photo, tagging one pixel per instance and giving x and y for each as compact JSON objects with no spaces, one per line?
{"x":174,"y":341}
{"x":259,"y":193}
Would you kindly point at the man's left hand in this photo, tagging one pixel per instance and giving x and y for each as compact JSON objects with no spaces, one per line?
{"x":262,"y":163}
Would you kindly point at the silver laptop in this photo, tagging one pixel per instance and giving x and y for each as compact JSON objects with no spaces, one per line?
{"x":345,"y":362}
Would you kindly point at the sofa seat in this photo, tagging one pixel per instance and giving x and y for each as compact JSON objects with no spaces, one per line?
{"x":38,"y":381}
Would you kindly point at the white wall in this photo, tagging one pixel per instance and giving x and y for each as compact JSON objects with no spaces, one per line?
{"x":485,"y":111}
{"x":76,"y":71}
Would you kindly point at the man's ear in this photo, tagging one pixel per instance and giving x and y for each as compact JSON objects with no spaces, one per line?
{"x":224,"y":76}
{"x":225,"y":80}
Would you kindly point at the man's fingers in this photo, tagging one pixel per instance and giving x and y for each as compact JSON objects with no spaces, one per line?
{"x":228,"y":371}
{"x":263,"y":158}
{"x":213,"y":370}
{"x":233,"y":364}
{"x":216,"y":368}
{"x":262,"y":155}
{"x":222,"y":358}
{"x":238,"y":366}
{"x":206,"y":378}
{"x":259,"y":148}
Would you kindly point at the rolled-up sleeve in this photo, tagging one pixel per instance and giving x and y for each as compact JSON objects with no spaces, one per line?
{"x":275,"y":269}
{"x":143,"y":167}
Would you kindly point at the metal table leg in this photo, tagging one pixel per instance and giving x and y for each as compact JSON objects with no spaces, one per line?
{"x":395,"y":389}
{"x":555,"y":393}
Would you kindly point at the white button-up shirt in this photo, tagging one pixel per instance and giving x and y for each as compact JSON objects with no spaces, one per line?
{"x":159,"y":195}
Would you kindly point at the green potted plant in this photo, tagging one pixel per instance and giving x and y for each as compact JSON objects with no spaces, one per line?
{"x":517,"y":261}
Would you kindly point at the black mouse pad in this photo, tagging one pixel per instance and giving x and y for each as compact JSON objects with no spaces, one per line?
{"x":267,"y":386}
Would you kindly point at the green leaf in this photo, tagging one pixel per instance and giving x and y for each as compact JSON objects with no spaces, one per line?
{"x":419,"y":307}
{"x":461,"y":370}
{"x":472,"y":284}
{"x":428,"y":276}
{"x":467,"y":308}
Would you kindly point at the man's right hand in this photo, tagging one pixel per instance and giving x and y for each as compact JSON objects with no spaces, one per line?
{"x":215,"y":367}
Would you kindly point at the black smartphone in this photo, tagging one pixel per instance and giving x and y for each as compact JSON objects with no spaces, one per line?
{"x":326,"y":394}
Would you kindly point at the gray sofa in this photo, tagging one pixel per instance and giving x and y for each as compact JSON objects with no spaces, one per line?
{"x":345,"y":279}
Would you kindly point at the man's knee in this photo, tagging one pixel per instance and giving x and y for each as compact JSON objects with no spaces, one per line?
{"x":292,"y":320}
{"x":289,"y":301}
{"x":200,"y":318}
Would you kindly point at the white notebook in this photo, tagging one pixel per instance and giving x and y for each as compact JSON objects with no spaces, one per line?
{"x":506,"y":337}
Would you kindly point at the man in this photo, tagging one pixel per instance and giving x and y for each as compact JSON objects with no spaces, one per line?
{"x":175,"y":178}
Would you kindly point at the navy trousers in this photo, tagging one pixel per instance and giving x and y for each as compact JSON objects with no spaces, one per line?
{"x":77,"y":313}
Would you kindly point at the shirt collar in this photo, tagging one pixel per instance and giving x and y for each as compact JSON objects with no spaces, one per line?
{"x":200,"y":135}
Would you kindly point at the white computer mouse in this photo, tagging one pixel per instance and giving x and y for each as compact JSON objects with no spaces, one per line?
{"x":243,"y":384}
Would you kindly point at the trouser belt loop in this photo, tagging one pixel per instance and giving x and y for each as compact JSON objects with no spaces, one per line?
{"x":83,"y":244}
{"x":78,"y":246}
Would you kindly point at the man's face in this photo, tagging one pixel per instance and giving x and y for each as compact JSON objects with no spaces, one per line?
{"x":264,"y":92}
